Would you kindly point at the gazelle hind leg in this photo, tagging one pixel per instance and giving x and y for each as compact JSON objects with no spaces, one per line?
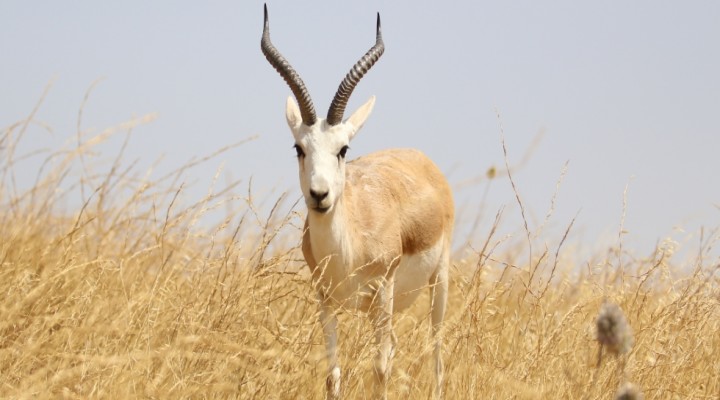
{"x":438,"y":299}
{"x":381,"y":315}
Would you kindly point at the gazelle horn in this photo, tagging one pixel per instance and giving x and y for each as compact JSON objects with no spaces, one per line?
{"x":307,"y":110}
{"x":337,"y":107}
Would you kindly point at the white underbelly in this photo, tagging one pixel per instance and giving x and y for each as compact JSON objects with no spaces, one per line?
{"x":356,"y":290}
{"x":414,"y":274}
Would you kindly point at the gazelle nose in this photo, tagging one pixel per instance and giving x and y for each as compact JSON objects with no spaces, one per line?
{"x":318,"y":196}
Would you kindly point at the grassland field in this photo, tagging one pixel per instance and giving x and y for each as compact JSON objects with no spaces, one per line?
{"x":128,"y":295}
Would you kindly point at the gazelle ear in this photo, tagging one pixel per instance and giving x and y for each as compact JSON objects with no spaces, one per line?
{"x":292,"y":114}
{"x":358,"y":118}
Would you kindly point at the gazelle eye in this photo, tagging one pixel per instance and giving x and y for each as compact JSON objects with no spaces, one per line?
{"x":342,"y":152}
{"x":299,"y":151}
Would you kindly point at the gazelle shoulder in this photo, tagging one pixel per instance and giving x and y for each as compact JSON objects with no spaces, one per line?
{"x":402,"y":169}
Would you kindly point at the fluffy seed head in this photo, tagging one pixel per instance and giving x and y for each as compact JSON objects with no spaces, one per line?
{"x":628,"y":391}
{"x":613,"y":330}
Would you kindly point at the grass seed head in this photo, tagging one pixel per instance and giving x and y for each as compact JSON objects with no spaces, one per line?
{"x":628,"y":391}
{"x":613,"y":330}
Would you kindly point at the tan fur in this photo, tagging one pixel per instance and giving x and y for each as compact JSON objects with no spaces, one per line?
{"x":401,"y":188}
{"x":395,"y":202}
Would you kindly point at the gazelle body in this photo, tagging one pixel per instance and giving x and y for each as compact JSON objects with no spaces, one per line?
{"x":378,"y":228}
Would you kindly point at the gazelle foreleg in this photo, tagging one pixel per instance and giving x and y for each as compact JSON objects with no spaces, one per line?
{"x":329,"y":322}
{"x":381,"y":316}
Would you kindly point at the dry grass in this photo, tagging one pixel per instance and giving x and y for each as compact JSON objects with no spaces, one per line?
{"x":130,"y":295}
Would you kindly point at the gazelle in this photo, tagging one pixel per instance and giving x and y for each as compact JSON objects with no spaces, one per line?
{"x":378,"y":228}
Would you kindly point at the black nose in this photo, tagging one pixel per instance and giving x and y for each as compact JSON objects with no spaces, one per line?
{"x":318,"y":196}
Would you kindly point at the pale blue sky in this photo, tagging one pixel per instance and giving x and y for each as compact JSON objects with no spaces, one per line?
{"x":626,"y":91}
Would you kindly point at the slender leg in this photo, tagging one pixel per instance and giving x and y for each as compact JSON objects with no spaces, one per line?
{"x":381,"y":315}
{"x":438,"y":298}
{"x":328,"y":321}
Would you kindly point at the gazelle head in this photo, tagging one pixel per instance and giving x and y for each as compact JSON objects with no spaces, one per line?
{"x":320,"y":143}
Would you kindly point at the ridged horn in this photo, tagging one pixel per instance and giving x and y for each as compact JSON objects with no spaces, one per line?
{"x":337,"y":107}
{"x":281,"y":65}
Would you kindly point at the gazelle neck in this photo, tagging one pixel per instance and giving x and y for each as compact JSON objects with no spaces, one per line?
{"x":330,"y":233}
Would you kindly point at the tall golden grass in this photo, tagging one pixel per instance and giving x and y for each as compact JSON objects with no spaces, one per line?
{"x":129,"y":294}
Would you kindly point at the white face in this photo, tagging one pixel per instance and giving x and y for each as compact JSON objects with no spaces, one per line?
{"x":321,"y":152}
{"x":321,"y":162}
